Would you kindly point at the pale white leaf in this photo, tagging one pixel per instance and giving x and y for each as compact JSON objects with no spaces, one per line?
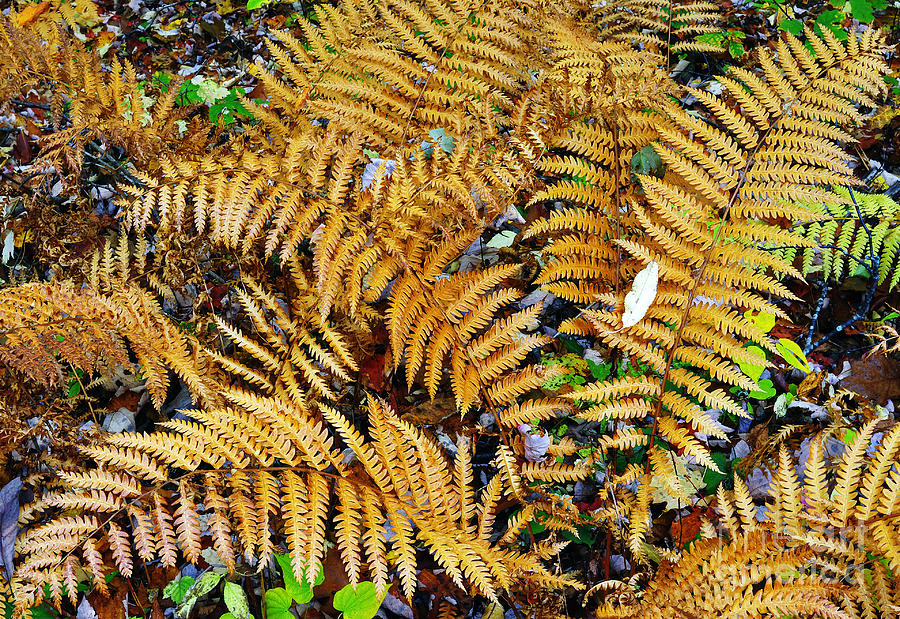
{"x":641,"y":296}
{"x":9,"y":246}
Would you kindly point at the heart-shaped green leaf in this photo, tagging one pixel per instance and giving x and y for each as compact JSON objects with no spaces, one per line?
{"x":301,"y":592}
{"x":766,"y":390}
{"x":763,"y":320}
{"x":177,"y":589}
{"x":278,"y":604}
{"x":754,"y":370}
{"x":360,"y":604}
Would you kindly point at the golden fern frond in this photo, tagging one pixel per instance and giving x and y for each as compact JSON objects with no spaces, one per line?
{"x":722,"y":172}
{"x":402,"y":69}
{"x":434,"y":315}
{"x":845,"y":527}
{"x":665,"y":25}
{"x":751,"y":574}
{"x":295,"y":348}
{"x":100,"y":103}
{"x":267,"y":464}
{"x":359,"y":218}
{"x":45,"y":326}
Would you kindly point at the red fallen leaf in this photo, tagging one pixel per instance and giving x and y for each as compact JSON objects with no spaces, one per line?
{"x":32,"y":129}
{"x":213,"y":298}
{"x":128,"y":400}
{"x":788,"y":331}
{"x":597,"y":503}
{"x":22,"y":149}
{"x":371,"y":372}
{"x":687,"y":527}
{"x":156,"y":612}
{"x":877,"y":378}
{"x":258,"y":92}
{"x":109,"y":607}
{"x":821,"y":359}
{"x":217,"y":294}
{"x":868,"y":142}
{"x":429,"y":580}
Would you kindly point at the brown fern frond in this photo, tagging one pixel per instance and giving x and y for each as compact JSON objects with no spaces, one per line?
{"x":45,"y":326}
{"x":722,"y":172}
{"x":402,"y":488}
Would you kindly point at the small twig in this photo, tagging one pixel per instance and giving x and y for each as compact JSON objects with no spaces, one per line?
{"x":815,"y":316}
{"x":39,"y":106}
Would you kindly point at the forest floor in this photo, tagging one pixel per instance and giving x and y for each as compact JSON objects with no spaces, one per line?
{"x":213,"y":45}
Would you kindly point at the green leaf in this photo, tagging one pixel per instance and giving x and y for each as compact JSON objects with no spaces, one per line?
{"x":236,"y":600}
{"x":736,"y":49}
{"x":754,"y":370}
{"x":360,"y":604}
{"x":832,"y":20}
{"x":300,"y":592}
{"x":278,"y":604}
{"x":648,"y":162}
{"x":793,"y":354}
{"x":178,"y":588}
{"x":585,"y":535}
{"x":763,"y":320}
{"x":862,"y":10}
{"x":794,"y":26}
{"x":203,"y":586}
{"x":74,"y":388}
{"x":504,"y":239}
{"x":711,"y":38}
{"x":766,"y":390}
{"x":40,"y":612}
{"x":712,"y":478}
{"x":255,"y":4}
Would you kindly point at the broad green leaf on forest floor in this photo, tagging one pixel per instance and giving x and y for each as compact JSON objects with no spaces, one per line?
{"x":446,"y":142}
{"x":766,"y":390}
{"x":712,"y":478}
{"x":754,"y":370}
{"x":300,"y":592}
{"x":255,"y":4}
{"x":641,"y":295}
{"x":236,"y":601}
{"x":648,"y":162}
{"x":763,"y":320}
{"x":794,"y":26}
{"x":793,"y":354}
{"x":360,"y":604}
{"x":503,"y":239}
{"x":204,"y":585}
{"x":278,"y":604}
{"x":178,"y":588}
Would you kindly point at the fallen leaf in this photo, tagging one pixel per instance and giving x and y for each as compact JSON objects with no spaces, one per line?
{"x":31,"y":13}
{"x":536,"y":445}
{"x":9,"y":523}
{"x":687,"y":528}
{"x":877,"y":378}
{"x":641,"y":295}
{"x":85,"y":610}
{"x":811,"y":386}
